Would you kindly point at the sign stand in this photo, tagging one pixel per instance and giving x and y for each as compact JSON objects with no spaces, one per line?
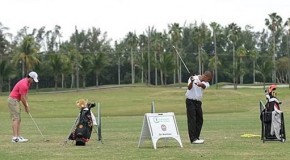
{"x":159,"y":125}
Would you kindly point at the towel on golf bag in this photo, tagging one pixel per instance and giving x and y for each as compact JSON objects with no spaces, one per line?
{"x":276,"y":124}
{"x":83,"y":129}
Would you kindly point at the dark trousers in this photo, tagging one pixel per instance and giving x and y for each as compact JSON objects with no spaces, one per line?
{"x":194,"y":118}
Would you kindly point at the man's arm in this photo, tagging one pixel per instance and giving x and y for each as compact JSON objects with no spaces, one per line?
{"x":190,"y":82}
{"x":203,"y":85}
{"x":200,"y":84}
{"x":24,"y":102}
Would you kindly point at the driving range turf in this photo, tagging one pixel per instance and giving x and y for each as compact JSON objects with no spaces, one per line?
{"x":228,"y":114}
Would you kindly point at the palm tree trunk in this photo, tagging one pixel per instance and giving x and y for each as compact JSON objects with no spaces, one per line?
{"x":142,"y":68}
{"x":78,"y":78}
{"x":274,"y":59}
{"x":119,"y":71}
{"x":254,"y":68}
{"x":72,"y":80}
{"x":55,"y":82}
{"x":1,"y":80}
{"x":9,"y":84}
{"x":155,"y":59}
{"x":199,"y":60}
{"x":23,"y":66}
{"x":215,"y":61}
{"x":62,"y":80}
{"x":132,"y":67}
{"x":241,"y":74}
{"x":97,"y":79}
{"x":288,"y":57}
{"x":179,"y":76}
{"x":234,"y":68}
{"x":84,"y":80}
{"x":161,"y":77}
{"x":148,"y":54}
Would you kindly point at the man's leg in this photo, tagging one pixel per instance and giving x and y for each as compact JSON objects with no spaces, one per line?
{"x":191,"y":120}
{"x":14,"y":108}
{"x":15,"y":127}
{"x":199,"y":119}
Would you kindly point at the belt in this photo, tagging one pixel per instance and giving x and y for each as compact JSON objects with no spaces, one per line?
{"x":196,"y":100}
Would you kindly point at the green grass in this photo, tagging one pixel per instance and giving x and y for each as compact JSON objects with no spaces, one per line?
{"x":228,"y":114}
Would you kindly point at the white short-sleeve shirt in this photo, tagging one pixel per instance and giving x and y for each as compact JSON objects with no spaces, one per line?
{"x":195,"y":92}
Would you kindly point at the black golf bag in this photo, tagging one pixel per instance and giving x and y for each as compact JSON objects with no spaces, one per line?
{"x":272,"y":118}
{"x":84,"y":126}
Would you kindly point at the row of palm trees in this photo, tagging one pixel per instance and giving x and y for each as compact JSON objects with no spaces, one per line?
{"x":87,"y":58}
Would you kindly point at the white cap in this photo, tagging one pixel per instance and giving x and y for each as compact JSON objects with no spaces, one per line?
{"x":34,"y":76}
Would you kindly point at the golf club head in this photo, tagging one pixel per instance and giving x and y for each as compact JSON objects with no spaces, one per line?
{"x":46,"y":140}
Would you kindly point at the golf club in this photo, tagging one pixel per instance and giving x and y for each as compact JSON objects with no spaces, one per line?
{"x":181,"y":59}
{"x":44,"y":139}
{"x":73,"y":126}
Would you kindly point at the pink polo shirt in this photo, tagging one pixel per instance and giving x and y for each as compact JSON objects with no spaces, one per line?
{"x":21,"y":88}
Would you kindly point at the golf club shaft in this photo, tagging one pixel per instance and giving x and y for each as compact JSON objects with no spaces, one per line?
{"x":73,"y":126}
{"x":181,"y":60}
{"x":36,"y":126}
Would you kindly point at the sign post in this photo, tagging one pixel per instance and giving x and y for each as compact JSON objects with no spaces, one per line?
{"x":159,"y":125}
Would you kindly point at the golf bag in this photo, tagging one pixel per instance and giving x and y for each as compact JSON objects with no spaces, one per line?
{"x":84,"y":126}
{"x":272,"y":118}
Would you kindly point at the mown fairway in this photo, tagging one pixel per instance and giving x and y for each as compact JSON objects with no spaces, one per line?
{"x":228,"y":114}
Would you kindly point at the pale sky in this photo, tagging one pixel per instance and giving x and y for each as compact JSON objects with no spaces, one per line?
{"x":118,"y":17}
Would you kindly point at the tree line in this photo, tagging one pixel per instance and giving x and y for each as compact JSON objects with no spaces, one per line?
{"x":89,"y":58}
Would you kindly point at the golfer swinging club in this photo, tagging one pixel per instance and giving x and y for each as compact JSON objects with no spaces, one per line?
{"x":17,"y":95}
{"x":196,"y":85}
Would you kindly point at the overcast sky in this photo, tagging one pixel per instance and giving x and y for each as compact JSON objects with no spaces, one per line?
{"x":118,"y":17}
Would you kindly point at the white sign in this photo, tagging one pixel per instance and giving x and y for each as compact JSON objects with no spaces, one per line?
{"x":159,"y":125}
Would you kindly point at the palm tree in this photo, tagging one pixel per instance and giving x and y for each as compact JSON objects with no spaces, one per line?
{"x":158,"y":49}
{"x":86,"y":67}
{"x":132,"y":40}
{"x":241,"y":53}
{"x":167,"y":65}
{"x":141,"y":44}
{"x":99,"y":63}
{"x":73,"y":58}
{"x":95,"y":44}
{"x":287,"y":25}
{"x":215,"y":27}
{"x":55,"y":64}
{"x":3,"y":42}
{"x":27,"y":54}
{"x":274,"y":23}
{"x":201,"y":34}
{"x":212,"y":64}
{"x":149,"y":33}
{"x":65,"y":68}
{"x":264,"y":69}
{"x":51,"y":39}
{"x":175,"y":32}
{"x":233,"y":37}
{"x":118,"y":54}
{"x":282,"y":69}
{"x":254,"y":56}
{"x":6,"y":72}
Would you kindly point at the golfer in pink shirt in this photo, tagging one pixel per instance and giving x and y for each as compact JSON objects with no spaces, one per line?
{"x":19,"y":93}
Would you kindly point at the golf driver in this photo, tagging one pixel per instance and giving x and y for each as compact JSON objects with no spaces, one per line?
{"x":181,"y":59}
{"x":44,"y":139}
